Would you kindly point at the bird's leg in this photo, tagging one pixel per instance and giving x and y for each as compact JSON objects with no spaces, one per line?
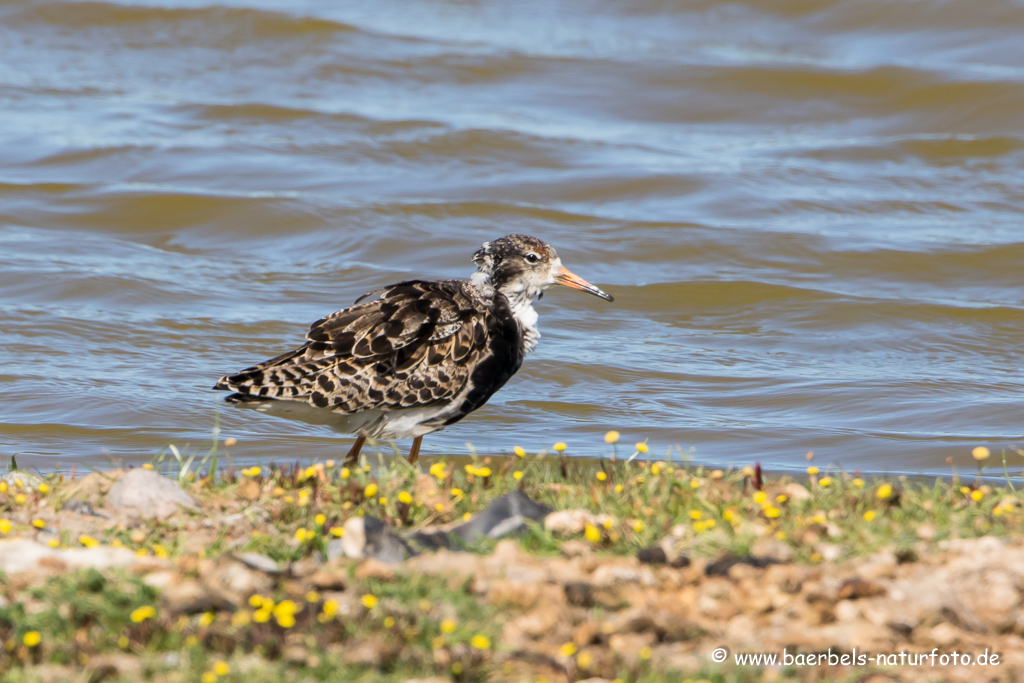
{"x":353,"y":454}
{"x":414,"y":452}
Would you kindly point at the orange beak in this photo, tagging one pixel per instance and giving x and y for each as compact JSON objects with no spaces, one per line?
{"x":570,"y":279}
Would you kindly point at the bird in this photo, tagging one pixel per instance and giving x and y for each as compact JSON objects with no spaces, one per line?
{"x":414,"y":357}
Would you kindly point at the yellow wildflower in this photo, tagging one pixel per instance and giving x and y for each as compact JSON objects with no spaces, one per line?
{"x":567,"y":650}
{"x":696,"y":514}
{"x":448,"y":625}
{"x":884,"y":491}
{"x":88,"y":541}
{"x":32,"y":638}
{"x":221,"y":668}
{"x":480,"y":642}
{"x":645,"y":653}
{"x":370,"y":491}
{"x":641,"y":447}
{"x":437,"y":469}
{"x":592,"y":533}
{"x":812,"y":470}
{"x":140,"y":614}
{"x":772,"y":512}
{"x":980,"y":453}
{"x":43,"y":488}
{"x":977,"y":495}
{"x":38,"y":523}
{"x":560,"y":446}
{"x":869,"y":515}
{"x":611,"y":437}
{"x":208,"y":677}
{"x":405,"y":498}
{"x":638,"y":526}
{"x":337,"y":531}
{"x":825,"y":482}
{"x":520,"y":451}
{"x":345,"y":473}
{"x":858,"y":482}
{"x":369,"y":601}
{"x":760,"y":497}
{"x":517,"y":475}
{"x":206,"y":618}
{"x":601,"y":476}
{"x":320,"y":519}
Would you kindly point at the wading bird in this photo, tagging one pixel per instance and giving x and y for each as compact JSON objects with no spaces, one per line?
{"x":411,"y":358}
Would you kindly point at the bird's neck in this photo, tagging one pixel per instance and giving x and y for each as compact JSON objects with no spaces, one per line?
{"x":520,"y":298}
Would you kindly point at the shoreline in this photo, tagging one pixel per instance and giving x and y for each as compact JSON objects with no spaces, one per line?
{"x":635,"y":571}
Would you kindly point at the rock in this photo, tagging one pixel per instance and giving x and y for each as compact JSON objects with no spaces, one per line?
{"x":796,"y":492}
{"x":189,"y":597}
{"x":579,"y":594}
{"x":259,"y":562}
{"x":630,"y":644}
{"x":376,"y":570}
{"x":80,"y":507}
{"x":234,"y":581}
{"x":569,"y":522}
{"x":655,"y":555}
{"x":722,"y":565}
{"x":771,"y":548}
{"x":23,"y":555}
{"x":22,"y":478}
{"x":504,"y":516}
{"x":370,"y":537}
{"x":144,"y":493}
{"x":329,"y":580}
{"x":856,"y":588}
{"x":577,"y":548}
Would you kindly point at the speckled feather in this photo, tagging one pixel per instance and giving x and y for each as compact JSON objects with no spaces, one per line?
{"x":418,"y":344}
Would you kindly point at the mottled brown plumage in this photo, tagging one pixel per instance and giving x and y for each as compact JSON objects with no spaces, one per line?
{"x":421,"y":355}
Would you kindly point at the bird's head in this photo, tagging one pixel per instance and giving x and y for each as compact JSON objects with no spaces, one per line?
{"x":520,"y":266}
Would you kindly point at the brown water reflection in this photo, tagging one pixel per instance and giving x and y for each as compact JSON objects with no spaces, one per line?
{"x":809,"y":214}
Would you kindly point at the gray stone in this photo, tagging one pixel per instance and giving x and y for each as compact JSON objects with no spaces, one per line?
{"x":145,"y":493}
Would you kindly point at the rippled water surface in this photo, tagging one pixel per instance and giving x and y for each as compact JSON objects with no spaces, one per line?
{"x":810,"y":215}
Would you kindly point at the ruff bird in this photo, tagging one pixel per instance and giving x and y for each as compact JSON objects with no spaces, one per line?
{"x":417,"y":356}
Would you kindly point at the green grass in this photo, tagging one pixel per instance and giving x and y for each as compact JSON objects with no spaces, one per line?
{"x":82,"y":617}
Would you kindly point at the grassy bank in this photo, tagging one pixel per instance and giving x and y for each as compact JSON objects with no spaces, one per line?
{"x":466,"y":616}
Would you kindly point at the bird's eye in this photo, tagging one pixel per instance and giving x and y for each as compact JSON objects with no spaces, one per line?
{"x":532,"y":258}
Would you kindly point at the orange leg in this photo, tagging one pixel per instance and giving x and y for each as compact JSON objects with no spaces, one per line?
{"x":353,"y":454}
{"x":414,"y":452}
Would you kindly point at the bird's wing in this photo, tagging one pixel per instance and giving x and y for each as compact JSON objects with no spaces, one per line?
{"x":415,"y":345}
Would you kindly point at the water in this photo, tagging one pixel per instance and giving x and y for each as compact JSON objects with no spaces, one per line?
{"x":810,"y":215}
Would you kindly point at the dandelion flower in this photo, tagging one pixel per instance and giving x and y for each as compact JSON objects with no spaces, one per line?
{"x":592,"y":533}
{"x":825,"y":482}
{"x":638,"y":526}
{"x":405,"y":498}
{"x":88,"y":541}
{"x":448,"y":625}
{"x":645,"y":653}
{"x":869,"y":515}
{"x":345,"y":473}
{"x":480,"y":642}
{"x":601,"y":476}
{"x":520,"y":451}
{"x":560,"y":446}
{"x":641,"y":447}
{"x":208,"y":677}
{"x":772,"y":512}
{"x":980,"y":453}
{"x":977,"y":495}
{"x":140,"y":614}
{"x":43,"y":488}
{"x":221,"y":668}
{"x":337,"y":531}
{"x":611,"y":437}
{"x":32,"y":638}
{"x":812,"y":470}
{"x":567,"y":650}
{"x":696,"y":514}
{"x":517,"y":475}
{"x":320,"y":519}
{"x":370,"y":491}
{"x":884,"y":491}
{"x":38,"y":523}
{"x":369,"y":601}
